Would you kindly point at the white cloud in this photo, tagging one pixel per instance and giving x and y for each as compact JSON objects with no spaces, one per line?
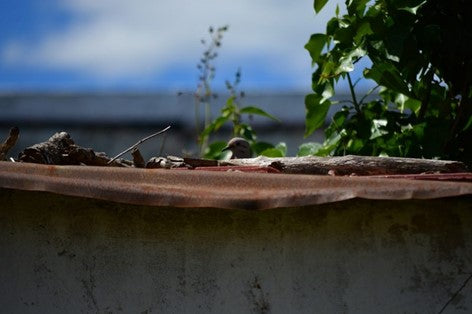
{"x":113,"y":39}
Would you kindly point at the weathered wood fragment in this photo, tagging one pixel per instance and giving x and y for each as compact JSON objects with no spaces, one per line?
{"x":352,"y":165}
{"x":168,"y":162}
{"x":9,"y":142}
{"x":195,"y":162}
{"x":60,"y":149}
{"x":138,"y":160}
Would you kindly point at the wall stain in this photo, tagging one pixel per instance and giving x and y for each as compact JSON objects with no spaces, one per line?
{"x":257,"y":297}
{"x":89,"y":285}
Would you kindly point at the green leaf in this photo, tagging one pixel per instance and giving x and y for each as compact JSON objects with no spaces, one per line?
{"x":419,"y":130}
{"x":309,"y":149}
{"x":230,"y":101}
{"x":413,"y":104}
{"x":257,"y":111}
{"x":327,"y":71}
{"x":339,"y":117}
{"x":272,"y":152}
{"x":414,"y":9}
{"x":247,"y":132}
{"x":378,"y":128}
{"x":229,"y":109}
{"x":363,"y":30}
{"x":214,"y":126}
{"x":330,"y":144}
{"x":357,"y":6}
{"x":315,"y":45}
{"x":402,"y":101}
{"x":319,"y":4}
{"x":468,"y":124}
{"x":387,"y":75}
{"x":346,"y":63}
{"x":259,"y":147}
{"x":332,"y":26}
{"x":325,"y":89}
{"x":282,"y":147}
{"x":355,"y":145}
{"x":214,"y":150}
{"x":344,"y":35}
{"x":280,"y":150}
{"x":316,"y":112}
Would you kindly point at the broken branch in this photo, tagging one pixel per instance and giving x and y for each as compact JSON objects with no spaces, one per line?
{"x":138,"y":143}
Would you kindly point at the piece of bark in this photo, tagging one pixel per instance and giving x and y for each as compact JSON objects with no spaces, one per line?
{"x":195,"y":162}
{"x":9,"y":142}
{"x":156,"y":162}
{"x":86,"y":156}
{"x":55,"y":151}
{"x":60,"y":149}
{"x":166,"y":163}
{"x":352,"y":165}
{"x":138,"y":159}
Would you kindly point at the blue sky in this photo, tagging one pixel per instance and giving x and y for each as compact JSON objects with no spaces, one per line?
{"x":154,"y":44}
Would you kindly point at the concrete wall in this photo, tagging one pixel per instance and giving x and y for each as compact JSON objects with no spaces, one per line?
{"x":73,"y":255}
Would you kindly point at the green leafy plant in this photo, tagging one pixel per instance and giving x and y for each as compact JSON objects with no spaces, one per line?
{"x":421,"y":60}
{"x":232,"y":111}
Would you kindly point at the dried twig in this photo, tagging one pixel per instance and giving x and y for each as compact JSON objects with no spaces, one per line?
{"x":9,"y":142}
{"x":138,"y":143}
{"x":164,"y":137}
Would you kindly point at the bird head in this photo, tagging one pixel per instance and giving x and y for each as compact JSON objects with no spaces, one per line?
{"x":239,"y":148}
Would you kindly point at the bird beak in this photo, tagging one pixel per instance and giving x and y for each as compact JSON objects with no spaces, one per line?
{"x":226,"y":148}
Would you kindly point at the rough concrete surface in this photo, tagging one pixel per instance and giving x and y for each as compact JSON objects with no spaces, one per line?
{"x":63,"y":254}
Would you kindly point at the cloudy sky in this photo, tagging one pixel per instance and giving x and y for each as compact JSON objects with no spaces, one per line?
{"x":154,"y":44}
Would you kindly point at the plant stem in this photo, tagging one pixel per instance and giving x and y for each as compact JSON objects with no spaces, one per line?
{"x":353,"y":94}
{"x":197,"y":119}
{"x":424,"y":104}
{"x":369,"y":93}
{"x":204,"y":143}
{"x":463,"y":105}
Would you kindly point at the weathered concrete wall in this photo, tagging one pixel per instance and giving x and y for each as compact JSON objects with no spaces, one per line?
{"x":73,"y":255}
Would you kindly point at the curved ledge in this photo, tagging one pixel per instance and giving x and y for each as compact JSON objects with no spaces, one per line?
{"x":231,"y":190}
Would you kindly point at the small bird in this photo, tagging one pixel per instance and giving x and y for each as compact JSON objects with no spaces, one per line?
{"x":239,"y":148}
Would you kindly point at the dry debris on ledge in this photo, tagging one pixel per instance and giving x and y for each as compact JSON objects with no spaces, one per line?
{"x":60,"y":149}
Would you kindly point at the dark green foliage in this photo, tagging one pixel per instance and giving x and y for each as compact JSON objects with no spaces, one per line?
{"x":421,"y":59}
